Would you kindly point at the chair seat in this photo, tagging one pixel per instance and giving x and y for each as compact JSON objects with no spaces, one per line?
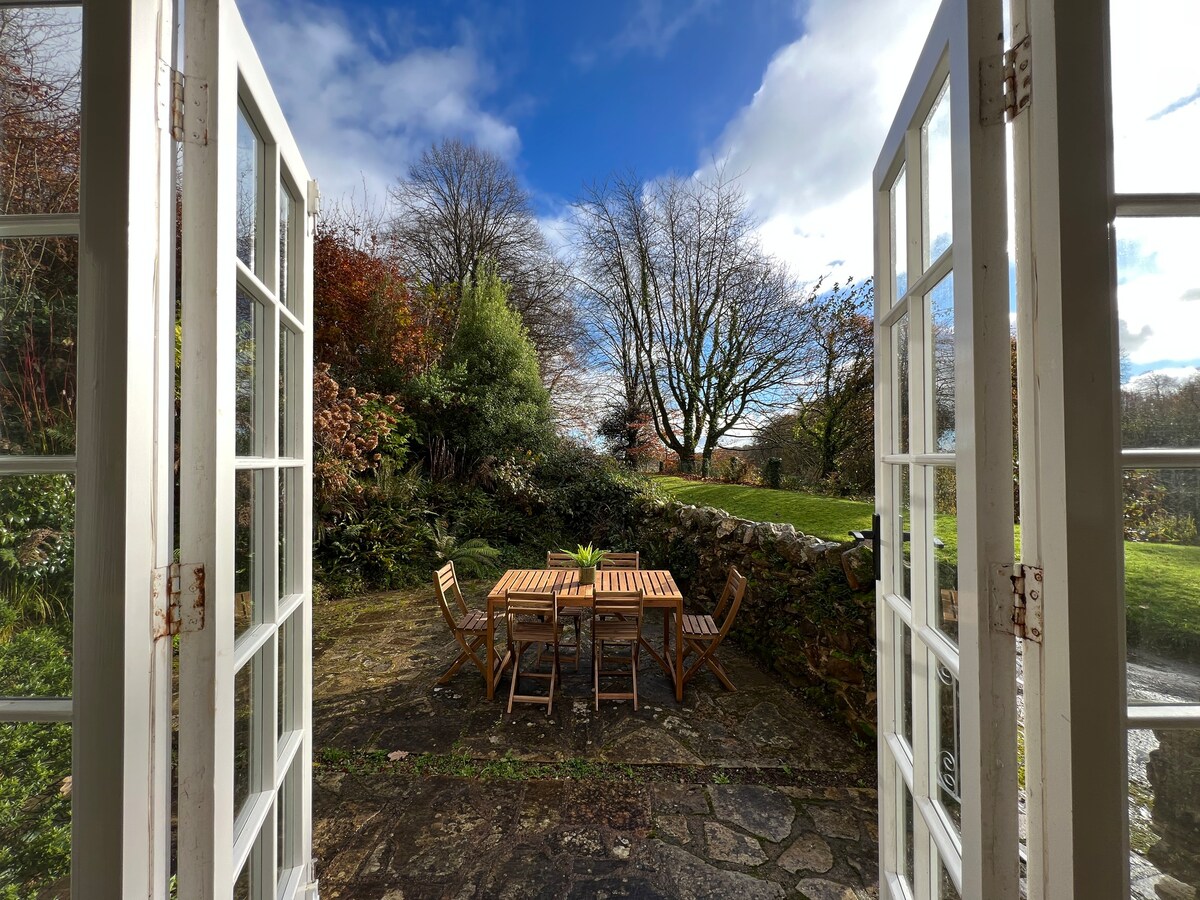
{"x":699,"y":627}
{"x":474,"y":621}
{"x":615,"y":631}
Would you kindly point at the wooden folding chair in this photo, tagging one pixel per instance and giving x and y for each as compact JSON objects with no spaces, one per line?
{"x":556,"y":560}
{"x":702,"y":636}
{"x":532,"y":618}
{"x":469,"y":627}
{"x":616,"y":619}
{"x":625,"y":561}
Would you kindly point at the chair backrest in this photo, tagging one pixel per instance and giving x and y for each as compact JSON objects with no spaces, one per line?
{"x":531,"y":604}
{"x":621,"y":560}
{"x":626,"y":604}
{"x":445,"y":583}
{"x":559,"y":560}
{"x":731,"y":597}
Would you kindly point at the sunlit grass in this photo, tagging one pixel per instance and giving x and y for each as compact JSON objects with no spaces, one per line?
{"x":1162,"y":581}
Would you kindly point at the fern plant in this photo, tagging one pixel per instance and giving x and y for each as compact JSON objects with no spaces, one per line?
{"x":473,"y":556}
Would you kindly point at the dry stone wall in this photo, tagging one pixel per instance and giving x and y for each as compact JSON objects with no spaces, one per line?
{"x":809,"y":613}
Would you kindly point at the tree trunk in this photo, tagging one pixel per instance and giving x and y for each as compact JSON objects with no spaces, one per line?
{"x":687,"y":462}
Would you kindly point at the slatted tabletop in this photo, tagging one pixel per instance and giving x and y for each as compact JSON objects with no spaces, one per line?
{"x":659,"y":591}
{"x":657,"y":584}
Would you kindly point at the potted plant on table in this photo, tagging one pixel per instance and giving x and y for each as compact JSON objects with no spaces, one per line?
{"x":587,"y":558}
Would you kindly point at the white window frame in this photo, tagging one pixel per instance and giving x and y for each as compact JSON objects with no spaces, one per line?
{"x":213,"y":845}
{"x":986,"y":863}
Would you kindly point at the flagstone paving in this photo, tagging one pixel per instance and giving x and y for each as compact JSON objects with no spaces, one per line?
{"x":423,"y":791}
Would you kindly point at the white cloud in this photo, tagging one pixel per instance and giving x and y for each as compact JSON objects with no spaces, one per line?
{"x":1158,"y":279}
{"x":807,"y":142}
{"x":359,"y":112}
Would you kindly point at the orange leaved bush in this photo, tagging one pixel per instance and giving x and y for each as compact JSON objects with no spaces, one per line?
{"x":370,"y":328}
{"x":348,"y":428}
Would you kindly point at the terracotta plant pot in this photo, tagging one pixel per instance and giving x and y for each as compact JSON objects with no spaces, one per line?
{"x":587,"y":575}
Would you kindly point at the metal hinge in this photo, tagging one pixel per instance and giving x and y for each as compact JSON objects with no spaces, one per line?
{"x":1027,"y":584}
{"x":182,"y":105}
{"x":314,"y":198}
{"x":177,"y":595}
{"x":1006,"y":84}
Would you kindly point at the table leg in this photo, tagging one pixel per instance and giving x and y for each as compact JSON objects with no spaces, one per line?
{"x":491,"y":651}
{"x":679,"y":651}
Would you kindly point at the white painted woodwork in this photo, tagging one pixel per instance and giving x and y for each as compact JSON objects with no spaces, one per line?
{"x":983,"y":860}
{"x":120,"y":811}
{"x":1068,"y":374}
{"x":215,"y":841}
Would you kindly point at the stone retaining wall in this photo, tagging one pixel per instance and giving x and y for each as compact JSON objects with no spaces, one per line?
{"x":809,"y":613}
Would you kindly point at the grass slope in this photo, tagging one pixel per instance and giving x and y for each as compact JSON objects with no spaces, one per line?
{"x":1162,"y":581}
{"x":829,"y":518}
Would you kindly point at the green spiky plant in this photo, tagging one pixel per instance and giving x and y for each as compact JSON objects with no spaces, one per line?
{"x":586,"y":557}
{"x":473,"y":556}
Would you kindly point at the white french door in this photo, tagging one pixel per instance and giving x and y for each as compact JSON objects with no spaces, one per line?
{"x":947,"y":689}
{"x":244,"y":824}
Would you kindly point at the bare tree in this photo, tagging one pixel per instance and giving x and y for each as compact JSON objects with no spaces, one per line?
{"x":834,"y":413}
{"x":687,"y":307}
{"x":461,"y":204}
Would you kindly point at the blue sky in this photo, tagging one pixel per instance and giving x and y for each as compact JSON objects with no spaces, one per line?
{"x":794,"y":96}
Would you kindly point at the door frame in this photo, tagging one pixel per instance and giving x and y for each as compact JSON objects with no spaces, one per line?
{"x":1069,"y":446}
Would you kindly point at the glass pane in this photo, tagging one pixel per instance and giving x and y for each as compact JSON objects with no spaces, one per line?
{"x":247,"y":534}
{"x":244,"y":745}
{"x":1155,"y":89}
{"x":1162,"y":584}
{"x":251,"y":320}
{"x":941,"y":343}
{"x":288,"y":641}
{"x":1164,"y":812}
{"x":286,"y":205}
{"x":900,"y":348}
{"x":241,"y":888}
{"x":947,"y":889}
{"x":899,"y":201}
{"x":948,"y":757}
{"x":288,"y":511}
{"x":904,"y":576}
{"x":39,"y":303}
{"x":37,"y":563}
{"x":288,"y":811}
{"x":35,"y":807}
{"x":289,"y":344}
{"x":945,"y":551}
{"x":909,"y":866}
{"x":906,"y":683}
{"x":39,"y":110}
{"x":1158,"y":302}
{"x":249,"y":191}
{"x":938,"y":178}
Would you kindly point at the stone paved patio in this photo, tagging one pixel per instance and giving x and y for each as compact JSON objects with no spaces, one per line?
{"x":427,"y":792}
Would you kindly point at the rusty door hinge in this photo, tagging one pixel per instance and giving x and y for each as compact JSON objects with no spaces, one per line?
{"x":177,"y":592}
{"x":1027,"y":602}
{"x":182,"y":105}
{"x":1006,"y":84}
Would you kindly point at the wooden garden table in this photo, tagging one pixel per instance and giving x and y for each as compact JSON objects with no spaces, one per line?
{"x":658,"y":588}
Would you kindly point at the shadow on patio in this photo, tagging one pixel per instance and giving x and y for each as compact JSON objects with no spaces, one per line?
{"x":423,"y":791}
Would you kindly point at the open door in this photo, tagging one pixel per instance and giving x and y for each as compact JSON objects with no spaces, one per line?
{"x":944,"y":464}
{"x":244,"y":795}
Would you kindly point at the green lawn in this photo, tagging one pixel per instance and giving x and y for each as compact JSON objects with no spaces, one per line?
{"x":825,"y":517}
{"x":1162,"y":581}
